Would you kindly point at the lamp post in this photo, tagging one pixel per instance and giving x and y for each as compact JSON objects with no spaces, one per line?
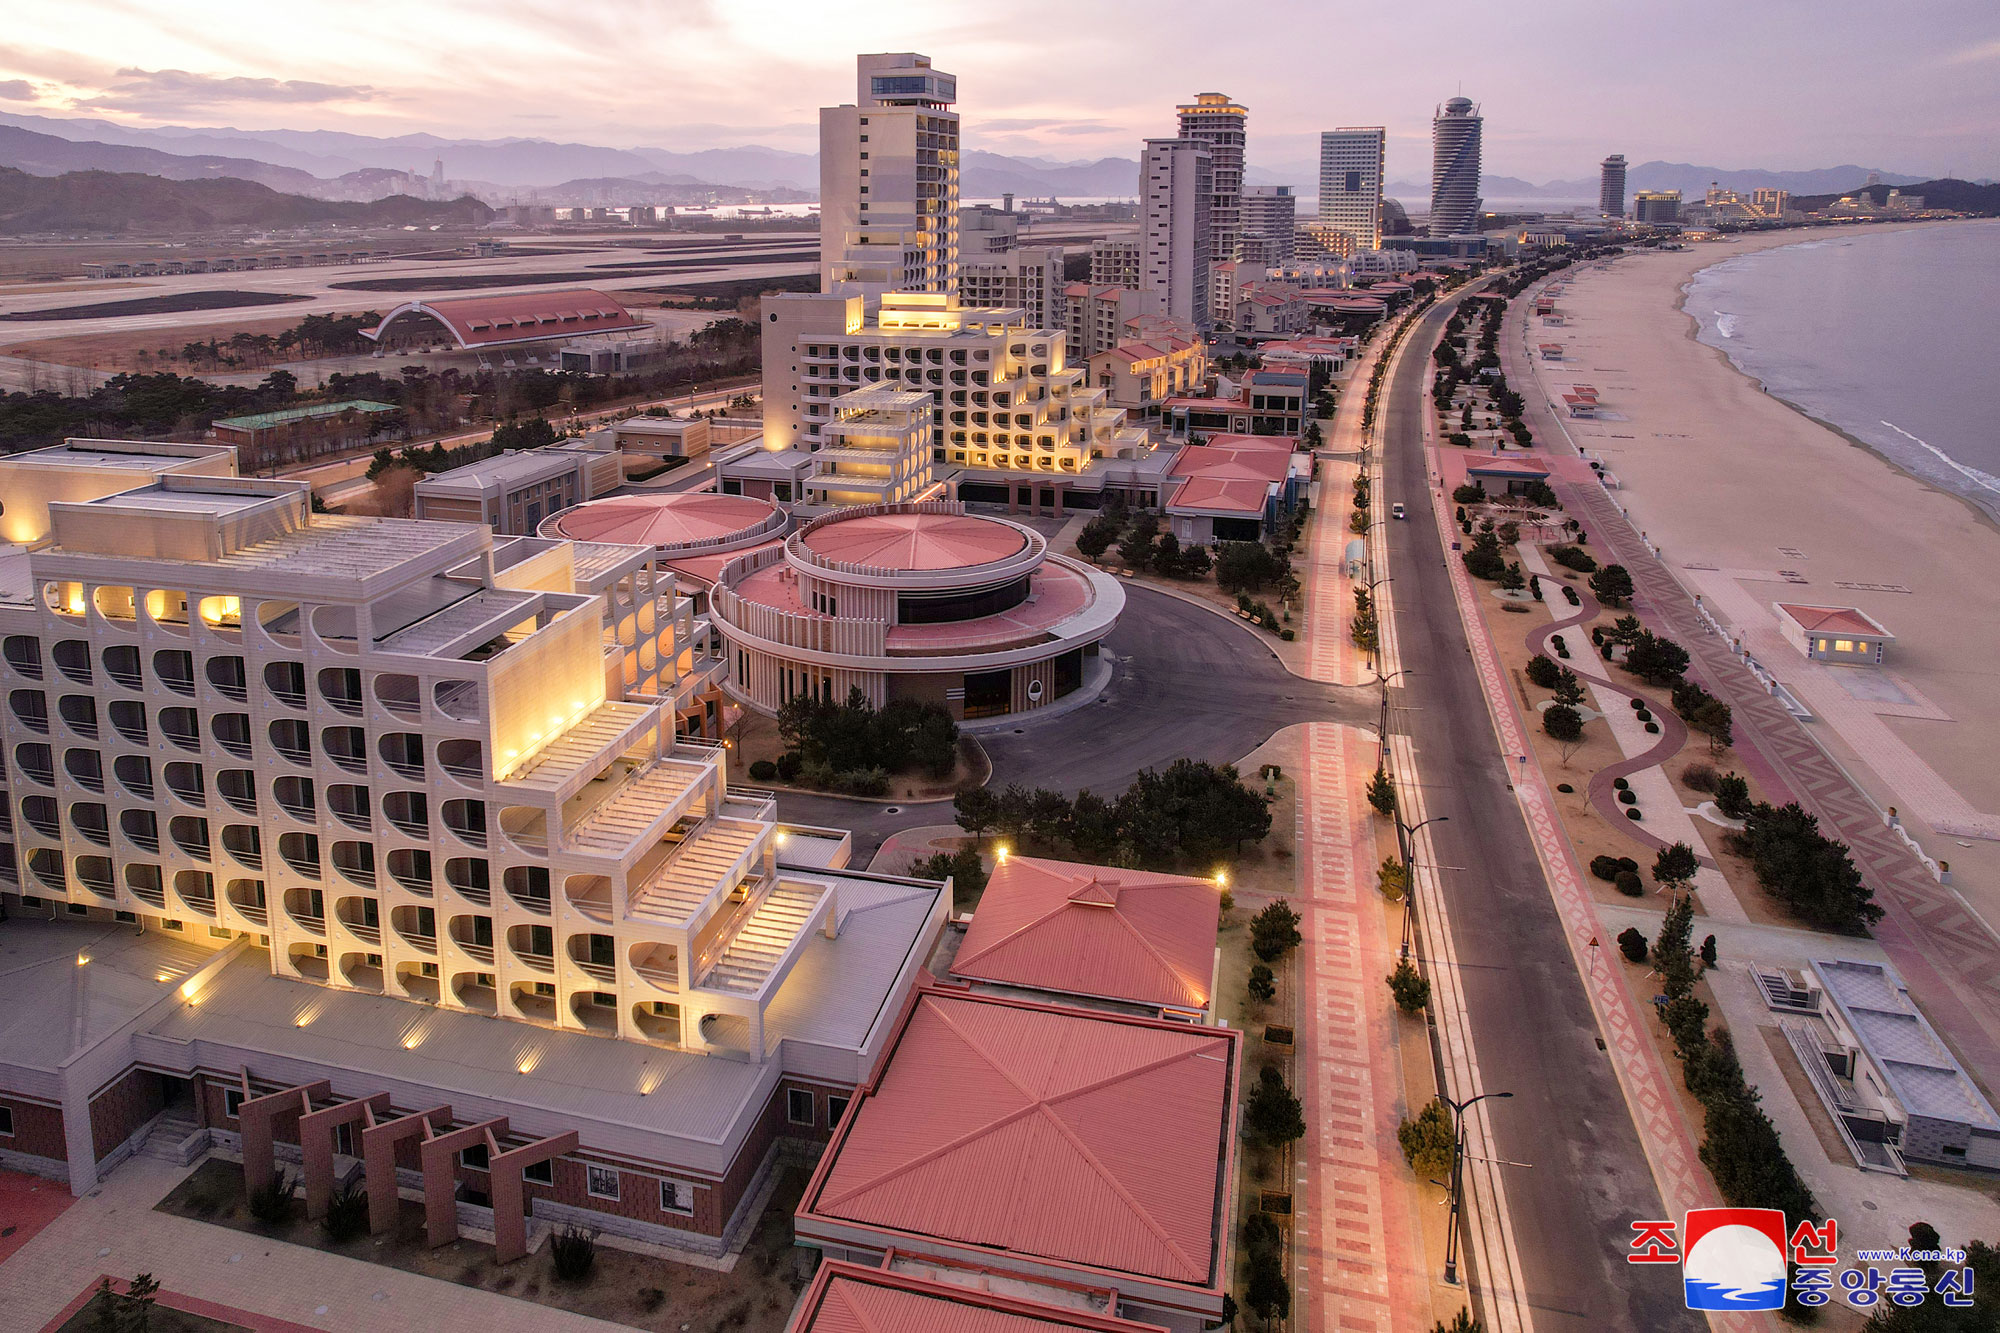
{"x":1406,"y":842}
{"x":1458,"y":1110}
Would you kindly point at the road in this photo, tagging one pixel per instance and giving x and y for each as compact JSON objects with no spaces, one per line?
{"x":1189,"y":683}
{"x":1533,"y":1030}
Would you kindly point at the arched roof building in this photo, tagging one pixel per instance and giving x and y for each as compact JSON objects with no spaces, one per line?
{"x":475,"y":322}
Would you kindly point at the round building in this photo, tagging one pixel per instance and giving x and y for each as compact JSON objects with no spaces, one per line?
{"x":912,"y":601}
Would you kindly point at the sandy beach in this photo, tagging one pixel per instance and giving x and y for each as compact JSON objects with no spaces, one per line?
{"x":1752,"y":502}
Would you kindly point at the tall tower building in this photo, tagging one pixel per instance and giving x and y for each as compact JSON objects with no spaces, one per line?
{"x":1455,"y":134}
{"x":1611,"y":186}
{"x":1176,"y":187}
{"x":1269,"y":219}
{"x":1218,"y":122}
{"x":888,"y":181}
{"x":1350,"y":183}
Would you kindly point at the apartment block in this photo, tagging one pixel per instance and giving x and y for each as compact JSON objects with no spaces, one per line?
{"x":1030,"y":278}
{"x":1270,"y":214}
{"x":513,"y":492}
{"x":889,"y":180}
{"x":1350,"y":184}
{"x":1177,"y":218}
{"x":1099,"y":317}
{"x":876,"y":450}
{"x":1116,"y":262}
{"x":1214,"y":120}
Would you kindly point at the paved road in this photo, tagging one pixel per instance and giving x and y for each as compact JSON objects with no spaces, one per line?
{"x":1533,"y":1030}
{"x":1189,"y":683}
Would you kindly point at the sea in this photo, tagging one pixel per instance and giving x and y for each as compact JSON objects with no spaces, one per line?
{"x":1888,"y":336}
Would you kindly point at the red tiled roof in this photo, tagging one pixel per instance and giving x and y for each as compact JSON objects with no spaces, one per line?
{"x":1206,"y":493}
{"x":1076,"y":1138}
{"x":850,"y":1298}
{"x":661,"y":520}
{"x":915,"y":541}
{"x":539,"y":316}
{"x":1500,"y":464}
{"x":1831,"y":619}
{"x":1092,"y":930}
{"x":1225,"y":463}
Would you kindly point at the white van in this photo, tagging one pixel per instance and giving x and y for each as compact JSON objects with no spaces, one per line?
{"x":1396,"y":510}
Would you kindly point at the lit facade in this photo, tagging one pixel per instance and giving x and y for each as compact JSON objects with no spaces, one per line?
{"x":1004,"y":396}
{"x":1177,"y":221}
{"x":1030,"y":278}
{"x":1214,"y":120}
{"x":876,"y":450}
{"x":1116,"y":262}
{"x":1350,"y":185}
{"x":1657,"y":206}
{"x":889,"y":180}
{"x":1455,"y":144}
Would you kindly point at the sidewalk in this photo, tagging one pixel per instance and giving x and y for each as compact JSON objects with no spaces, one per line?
{"x":114,"y":1230}
{"x":1359,"y":1242}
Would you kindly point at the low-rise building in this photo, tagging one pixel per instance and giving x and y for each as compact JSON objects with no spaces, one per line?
{"x":1142,"y":376}
{"x":1841,"y":634}
{"x":1234,"y":488}
{"x":295,"y":434}
{"x":876,"y":450}
{"x":1264,"y":311}
{"x":1267,"y":402}
{"x":916,"y":1166}
{"x":1099,"y":318}
{"x":662,"y":437}
{"x":512,"y":493}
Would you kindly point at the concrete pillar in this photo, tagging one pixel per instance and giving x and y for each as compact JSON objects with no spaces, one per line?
{"x":378,"y":1158}
{"x":316,"y":1142}
{"x":258,"y":1118}
{"x":440,"y":1162}
{"x":510,"y":1213}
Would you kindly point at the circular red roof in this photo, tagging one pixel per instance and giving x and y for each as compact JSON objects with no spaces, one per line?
{"x":916,"y":541}
{"x":661,"y":520}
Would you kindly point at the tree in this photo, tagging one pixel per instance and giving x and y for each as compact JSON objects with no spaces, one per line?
{"x":1564,"y":726}
{"x":1511,"y":578}
{"x":1263,"y":983}
{"x":1392,"y":878}
{"x":964,"y":868}
{"x":1924,"y":1236}
{"x":1568,"y":689}
{"x":1410,"y":987}
{"x":1428,"y":1140}
{"x":1013,"y":811}
{"x":1612,"y":584}
{"x":1543,"y":672}
{"x":1732,"y":795}
{"x":1246,"y":567}
{"x":1707,"y":954}
{"x":1137,"y":549}
{"x":1274,"y":932}
{"x":1267,"y":1290}
{"x":1381,"y":792}
{"x":1807,"y":871}
{"x":1471,"y":493}
{"x":1273,"y":1115}
{"x":1632,"y":944}
{"x":1655,"y":659}
{"x":1048,"y":816}
{"x":1714,"y":718}
{"x":1462,"y":1322}
{"x":1092,"y":826}
{"x":1096,"y":537}
{"x":1675,"y":867}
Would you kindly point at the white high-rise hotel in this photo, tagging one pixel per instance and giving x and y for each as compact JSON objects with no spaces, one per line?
{"x":1176,"y":185}
{"x":889,"y":180}
{"x":1350,"y":184}
{"x":1455,"y":135}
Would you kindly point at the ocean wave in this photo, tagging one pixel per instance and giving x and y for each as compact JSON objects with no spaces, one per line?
{"x":1985,"y":480}
{"x":1725,"y":325}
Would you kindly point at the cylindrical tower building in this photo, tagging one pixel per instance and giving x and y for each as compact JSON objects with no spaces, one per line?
{"x":1455,"y":134}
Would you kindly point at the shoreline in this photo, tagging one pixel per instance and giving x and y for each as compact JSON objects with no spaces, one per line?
{"x":1987,"y":514}
{"x":1753,"y":504}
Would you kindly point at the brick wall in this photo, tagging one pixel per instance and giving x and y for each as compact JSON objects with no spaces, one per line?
{"x":118,"y":1111}
{"x":38,"y":1130}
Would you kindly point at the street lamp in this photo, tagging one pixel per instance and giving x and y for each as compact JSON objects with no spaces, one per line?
{"x":1458,"y":1110}
{"x":1406,"y":843}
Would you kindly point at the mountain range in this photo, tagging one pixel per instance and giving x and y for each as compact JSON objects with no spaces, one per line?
{"x":335,"y":164}
{"x":103,"y":201}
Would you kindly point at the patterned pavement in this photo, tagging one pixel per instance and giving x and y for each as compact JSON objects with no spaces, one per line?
{"x":1359,"y":1244}
{"x":1668,"y":1139}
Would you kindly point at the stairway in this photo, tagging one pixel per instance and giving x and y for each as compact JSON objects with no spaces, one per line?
{"x":175,"y":1137}
{"x":760,"y":939}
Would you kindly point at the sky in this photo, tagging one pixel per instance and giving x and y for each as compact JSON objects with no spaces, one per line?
{"x":1739,"y":84}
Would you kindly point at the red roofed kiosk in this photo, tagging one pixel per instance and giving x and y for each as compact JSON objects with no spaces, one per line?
{"x":1844,"y":635}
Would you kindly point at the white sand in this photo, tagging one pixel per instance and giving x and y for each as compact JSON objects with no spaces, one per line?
{"x":1720,"y":474}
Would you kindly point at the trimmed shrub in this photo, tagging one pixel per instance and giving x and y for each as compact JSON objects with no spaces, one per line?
{"x":1629,"y":884}
{"x":1652,"y":728}
{"x":1411,"y":989}
{"x":1732,"y":795}
{"x":1543,"y":672}
{"x":1632,"y":944}
{"x":1605,"y":868}
{"x":1565,"y":788}
{"x":1633,"y":815}
{"x":763,"y":771}
{"x":789,"y":764}
{"x":1628,"y":797}
{"x":1700,"y":777}
{"x":1621,"y":784}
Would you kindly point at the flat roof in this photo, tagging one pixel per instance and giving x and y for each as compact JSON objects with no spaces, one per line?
{"x":330,"y":547}
{"x":1095,"y":930}
{"x":1038,"y":1132}
{"x":261,"y":420}
{"x":52,"y":1009}
{"x":138,"y":455}
{"x":910,"y":542}
{"x":1923,"y":1073}
{"x":662,"y":520}
{"x":851,"y":1298}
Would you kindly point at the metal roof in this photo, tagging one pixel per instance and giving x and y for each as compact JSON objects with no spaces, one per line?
{"x":262,"y":420}
{"x":850,"y":1298}
{"x":1042,"y":1132}
{"x":1922,"y":1072}
{"x":52,"y":1009}
{"x":1091,"y":930}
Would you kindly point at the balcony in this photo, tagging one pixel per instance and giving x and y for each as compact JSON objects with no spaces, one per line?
{"x":350,"y":805}
{"x":47,"y":866}
{"x":400,"y":694}
{"x":181,"y":726}
{"x":238,"y":788}
{"x":190,"y":834}
{"x":141,"y":829}
{"x":43,"y":815}
{"x":246,"y":896}
{"x":245,"y":843}
{"x":463,"y":760}
{"x":185,"y":781}
{"x":590,"y":895}
{"x":91,"y":822}
{"x":403,"y":752}
{"x":30,"y":709}
{"x":416,"y":927}
{"x":528,"y":886}
{"x":358,"y":917}
{"x":410,"y":868}
{"x":300,"y":851}
{"x":341,"y":688}
{"x":295,"y":797}
{"x":286,"y":683}
{"x":196,"y":888}
{"x":128,"y":719}
{"x":227,"y":677}
{"x":306,"y":909}
{"x":468,"y":878}
{"x":36,"y":762}
{"x":174,"y":668}
{"x":657,"y":965}
{"x":85,"y":768}
{"x":72,"y":658}
{"x":24,"y":654}
{"x":145,"y":884}
{"x":533,"y":947}
{"x":355,"y":861}
{"x":347,"y":747}
{"x":466,"y":821}
{"x":94,"y":873}
{"x":408,"y":813}
{"x":79,"y":714}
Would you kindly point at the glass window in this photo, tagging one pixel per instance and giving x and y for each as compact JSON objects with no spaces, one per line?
{"x":836,"y":1107}
{"x":676,"y":1197}
{"x":601,"y":1182}
{"x":799,"y":1106}
{"x":541,"y":1173}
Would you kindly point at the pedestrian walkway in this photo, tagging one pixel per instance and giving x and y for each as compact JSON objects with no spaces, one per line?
{"x":1668,"y":1139}
{"x":114,"y":1229}
{"x":1359,"y":1244}
{"x":1331,"y":656}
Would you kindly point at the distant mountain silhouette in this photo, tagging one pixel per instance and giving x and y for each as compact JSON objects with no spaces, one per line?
{"x":117,"y":202}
